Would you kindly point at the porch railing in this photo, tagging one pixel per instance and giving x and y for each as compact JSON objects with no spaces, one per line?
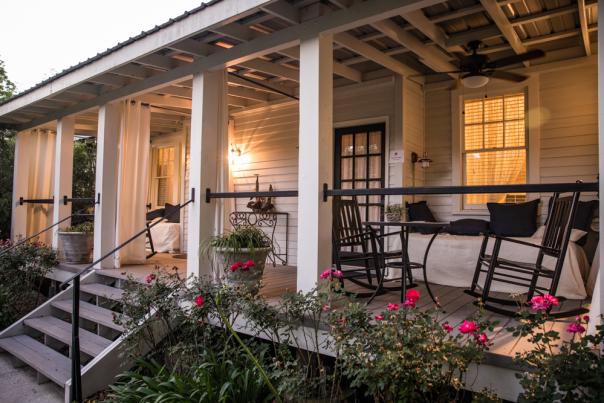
{"x":75,"y":392}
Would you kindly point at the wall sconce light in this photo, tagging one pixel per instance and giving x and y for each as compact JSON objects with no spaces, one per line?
{"x":235,"y":151}
{"x":424,"y":161}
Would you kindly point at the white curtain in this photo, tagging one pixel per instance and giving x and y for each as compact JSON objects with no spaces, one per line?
{"x":133,"y":181}
{"x":40,"y":146}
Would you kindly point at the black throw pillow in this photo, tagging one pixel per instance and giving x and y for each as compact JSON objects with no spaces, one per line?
{"x":172,"y":214}
{"x":584,"y":215}
{"x":468,"y":226}
{"x":513,"y":219}
{"x":157,"y":213}
{"x":419,"y":212}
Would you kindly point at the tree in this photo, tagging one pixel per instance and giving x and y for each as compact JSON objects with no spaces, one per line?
{"x":7,"y":156}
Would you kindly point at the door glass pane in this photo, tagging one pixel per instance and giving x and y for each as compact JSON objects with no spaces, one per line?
{"x":375,"y":167}
{"x":360,"y":167}
{"x":375,"y":185}
{"x":346,"y":167}
{"x":346,"y":144}
{"x":360,"y":143}
{"x":375,"y":142}
{"x":374,"y":213}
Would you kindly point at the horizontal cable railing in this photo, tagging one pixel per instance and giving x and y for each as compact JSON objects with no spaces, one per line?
{"x":23,"y":201}
{"x":234,"y":195}
{"x":76,"y":371}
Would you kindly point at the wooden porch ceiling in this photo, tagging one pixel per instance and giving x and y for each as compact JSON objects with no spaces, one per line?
{"x":421,"y":41}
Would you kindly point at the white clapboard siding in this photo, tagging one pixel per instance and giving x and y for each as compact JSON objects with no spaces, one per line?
{"x":413,"y":129}
{"x":268,"y":140}
{"x":568,"y":133}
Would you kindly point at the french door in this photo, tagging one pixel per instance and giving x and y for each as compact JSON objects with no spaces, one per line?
{"x":359,"y":163}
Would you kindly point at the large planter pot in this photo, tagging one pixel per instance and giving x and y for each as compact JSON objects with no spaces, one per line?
{"x":77,"y":246}
{"x":248,"y":279}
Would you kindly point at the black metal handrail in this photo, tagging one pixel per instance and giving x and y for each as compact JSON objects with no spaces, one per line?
{"x":91,"y":200}
{"x":438,"y":190}
{"x":234,"y":195}
{"x":75,"y":391}
{"x":79,"y":213}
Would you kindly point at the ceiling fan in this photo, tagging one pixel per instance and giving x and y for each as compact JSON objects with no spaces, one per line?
{"x":476,"y":69}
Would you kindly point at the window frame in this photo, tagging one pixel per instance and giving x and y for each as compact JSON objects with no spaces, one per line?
{"x":164,"y":142}
{"x":532,"y":126}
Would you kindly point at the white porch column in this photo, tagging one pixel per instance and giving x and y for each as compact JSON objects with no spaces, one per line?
{"x":20,"y":187}
{"x":106,"y":182}
{"x":63,"y":174}
{"x":315,"y":165}
{"x":209,"y":120}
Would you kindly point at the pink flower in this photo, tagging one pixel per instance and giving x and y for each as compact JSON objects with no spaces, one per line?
{"x":543,"y":303}
{"x":247,"y":265}
{"x":326,"y":274}
{"x":235,"y":266}
{"x":468,"y":327}
{"x":586,"y":318}
{"x":337,"y":274}
{"x":482,"y":339}
{"x":326,"y":308}
{"x":392,"y":307}
{"x":149,"y":278}
{"x":575,"y":327}
{"x":199,"y":301}
{"x":412,"y":295}
{"x":409,"y":303}
{"x":447,"y":327}
{"x":378,"y":317}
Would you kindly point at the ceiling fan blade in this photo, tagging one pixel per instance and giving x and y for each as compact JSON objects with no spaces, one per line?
{"x":507,"y":75}
{"x":436,"y":73}
{"x":506,"y":61}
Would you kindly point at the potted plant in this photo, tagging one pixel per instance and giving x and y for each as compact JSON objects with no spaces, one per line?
{"x":241,"y":255}
{"x":394,"y":212}
{"x":77,"y":242}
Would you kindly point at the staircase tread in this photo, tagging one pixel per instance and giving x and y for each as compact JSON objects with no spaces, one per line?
{"x":103,"y":290}
{"x":90,"y":343}
{"x":50,"y":363}
{"x":94,"y":313}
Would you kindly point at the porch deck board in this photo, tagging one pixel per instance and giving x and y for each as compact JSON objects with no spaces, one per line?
{"x":455,"y":304}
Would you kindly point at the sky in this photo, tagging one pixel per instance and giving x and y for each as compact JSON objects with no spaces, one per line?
{"x":39,"y":38}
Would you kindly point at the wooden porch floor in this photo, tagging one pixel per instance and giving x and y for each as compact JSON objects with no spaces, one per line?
{"x":456,"y":305}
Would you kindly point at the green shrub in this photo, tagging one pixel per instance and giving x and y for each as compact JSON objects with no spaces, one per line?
{"x":86,"y":227}
{"x":246,"y":237}
{"x":22,"y":272}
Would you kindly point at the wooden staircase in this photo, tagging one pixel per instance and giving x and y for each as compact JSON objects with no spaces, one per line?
{"x":42,"y":339}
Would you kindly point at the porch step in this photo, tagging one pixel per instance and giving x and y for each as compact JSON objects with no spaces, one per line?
{"x":102,"y":290}
{"x":45,"y":360}
{"x":90,"y":343}
{"x":91,"y":312}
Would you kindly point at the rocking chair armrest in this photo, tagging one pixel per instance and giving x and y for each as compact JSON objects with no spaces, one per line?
{"x":518,"y":241}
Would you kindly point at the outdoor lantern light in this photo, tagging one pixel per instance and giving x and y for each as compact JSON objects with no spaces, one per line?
{"x":474,"y":80}
{"x":424,"y":160}
{"x":235,"y":151}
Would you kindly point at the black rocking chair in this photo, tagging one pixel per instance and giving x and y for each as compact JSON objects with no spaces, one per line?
{"x":554,"y":243}
{"x":358,"y":250}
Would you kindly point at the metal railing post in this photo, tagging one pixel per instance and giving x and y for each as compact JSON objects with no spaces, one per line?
{"x":76,"y":371}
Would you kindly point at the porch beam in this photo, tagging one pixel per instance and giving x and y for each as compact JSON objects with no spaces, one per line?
{"x":584,"y":27}
{"x":105,"y":213}
{"x":271,"y":88}
{"x":339,"y":69}
{"x":271,"y":68}
{"x":452,"y":15}
{"x":502,"y":22}
{"x":462,"y":38}
{"x":430,"y":56}
{"x":364,"y":49}
{"x":315,"y":162}
{"x":248,"y":93}
{"x":284,"y":11}
{"x":209,"y":120}
{"x":357,"y":15}
{"x":63,"y":173}
{"x":544,"y":15}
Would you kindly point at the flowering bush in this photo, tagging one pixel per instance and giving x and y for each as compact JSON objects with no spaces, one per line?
{"x":404,"y":354}
{"x":565,"y":368}
{"x":22,"y":272}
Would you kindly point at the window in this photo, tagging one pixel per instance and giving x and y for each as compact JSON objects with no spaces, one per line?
{"x":494,"y":150}
{"x":164,"y":177}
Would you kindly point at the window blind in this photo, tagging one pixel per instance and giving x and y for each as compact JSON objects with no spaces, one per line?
{"x":494,"y":146}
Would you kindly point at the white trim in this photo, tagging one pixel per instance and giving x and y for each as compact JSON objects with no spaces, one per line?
{"x":533,"y":175}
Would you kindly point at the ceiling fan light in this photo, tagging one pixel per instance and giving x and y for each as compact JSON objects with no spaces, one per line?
{"x":474,"y":80}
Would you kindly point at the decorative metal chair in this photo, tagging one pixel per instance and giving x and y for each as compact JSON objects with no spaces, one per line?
{"x":554,"y":243}
{"x":358,"y":250}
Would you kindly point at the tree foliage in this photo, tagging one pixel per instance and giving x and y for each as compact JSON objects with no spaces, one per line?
{"x":7,"y":154}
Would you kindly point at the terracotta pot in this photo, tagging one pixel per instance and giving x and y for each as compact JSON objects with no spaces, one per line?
{"x":76,"y":246}
{"x":249,"y":279}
